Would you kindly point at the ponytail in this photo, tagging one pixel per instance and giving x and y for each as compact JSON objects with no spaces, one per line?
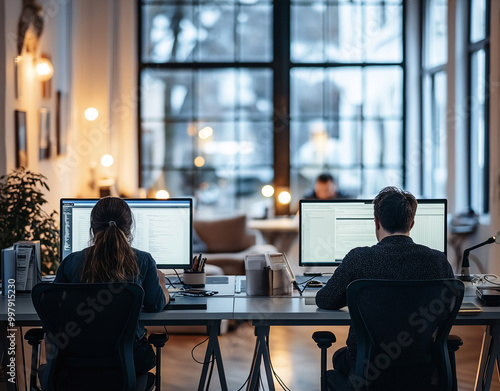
{"x":111,"y":258}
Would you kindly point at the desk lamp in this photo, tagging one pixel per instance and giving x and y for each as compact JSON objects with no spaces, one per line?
{"x":465,"y":276}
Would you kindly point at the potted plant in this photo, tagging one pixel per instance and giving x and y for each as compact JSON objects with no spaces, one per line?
{"x":22,"y":216}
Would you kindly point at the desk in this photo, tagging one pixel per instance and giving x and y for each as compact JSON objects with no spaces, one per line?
{"x":280,"y":232}
{"x":218,"y":308}
{"x":265,"y":312}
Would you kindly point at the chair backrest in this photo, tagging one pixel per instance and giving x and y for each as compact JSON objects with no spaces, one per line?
{"x":90,"y":329}
{"x":401,"y":330}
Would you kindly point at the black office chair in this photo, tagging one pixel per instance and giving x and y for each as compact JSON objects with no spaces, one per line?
{"x":90,"y":331}
{"x":402,"y":336}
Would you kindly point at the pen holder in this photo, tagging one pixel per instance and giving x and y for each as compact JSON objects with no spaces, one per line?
{"x":194,"y":278}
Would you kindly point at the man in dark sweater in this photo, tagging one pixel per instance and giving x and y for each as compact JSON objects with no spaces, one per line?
{"x":394,"y":257}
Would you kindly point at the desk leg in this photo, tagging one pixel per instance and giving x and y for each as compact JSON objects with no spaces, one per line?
{"x":261,"y":353}
{"x":213,"y":348}
{"x":490,"y":354}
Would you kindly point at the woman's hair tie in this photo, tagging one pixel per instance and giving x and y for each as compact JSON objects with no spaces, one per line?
{"x":112,"y":223}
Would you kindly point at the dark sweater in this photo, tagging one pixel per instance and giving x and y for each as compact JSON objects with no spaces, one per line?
{"x":394,"y":257}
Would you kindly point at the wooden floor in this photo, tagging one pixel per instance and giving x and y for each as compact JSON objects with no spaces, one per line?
{"x":294,"y":356}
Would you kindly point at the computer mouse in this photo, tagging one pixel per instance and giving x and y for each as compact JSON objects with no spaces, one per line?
{"x":314,"y":284}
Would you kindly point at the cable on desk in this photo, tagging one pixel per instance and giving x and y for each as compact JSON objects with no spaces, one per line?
{"x":195,"y":346}
{"x":305,"y":285}
{"x":486,"y":278}
{"x":170,"y":283}
{"x":180,"y":279}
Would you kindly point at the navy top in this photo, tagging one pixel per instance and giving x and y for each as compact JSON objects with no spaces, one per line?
{"x":154,"y":299}
{"x":395,"y":257}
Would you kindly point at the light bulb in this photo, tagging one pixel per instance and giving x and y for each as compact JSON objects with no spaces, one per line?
{"x":44,"y":69}
{"x":205,"y":133}
{"x":107,"y":160}
{"x":284,"y":197}
{"x":91,"y":113}
{"x":162,"y":194}
{"x":199,"y":161}
{"x":267,"y":191}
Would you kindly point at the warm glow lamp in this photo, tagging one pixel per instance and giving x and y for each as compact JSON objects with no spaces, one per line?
{"x":284,"y":197}
{"x":162,"y":194}
{"x":91,"y":114}
{"x":267,"y":191}
{"x":44,"y":69}
{"x":107,"y":160}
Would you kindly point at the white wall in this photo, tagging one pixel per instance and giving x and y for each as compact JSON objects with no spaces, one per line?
{"x":56,"y":25}
{"x":93,"y":49}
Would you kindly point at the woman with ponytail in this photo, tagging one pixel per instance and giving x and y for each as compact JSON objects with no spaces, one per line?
{"x":111,"y":258}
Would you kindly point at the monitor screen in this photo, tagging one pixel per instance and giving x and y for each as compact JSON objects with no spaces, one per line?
{"x":330,"y":229}
{"x":163,"y":228}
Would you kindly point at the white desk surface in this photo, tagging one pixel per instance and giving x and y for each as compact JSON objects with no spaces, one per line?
{"x":291,"y":310}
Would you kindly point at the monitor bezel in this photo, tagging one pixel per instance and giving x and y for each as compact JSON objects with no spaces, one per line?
{"x":158,"y":265}
{"x":443,"y":201}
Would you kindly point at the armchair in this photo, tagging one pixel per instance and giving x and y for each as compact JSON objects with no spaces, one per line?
{"x":90,"y":331}
{"x":402,"y":336}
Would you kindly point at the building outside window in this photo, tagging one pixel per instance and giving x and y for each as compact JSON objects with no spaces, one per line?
{"x":233,"y":98}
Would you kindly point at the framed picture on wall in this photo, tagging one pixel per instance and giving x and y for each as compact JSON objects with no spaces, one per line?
{"x":21,"y":139}
{"x":45,"y":144}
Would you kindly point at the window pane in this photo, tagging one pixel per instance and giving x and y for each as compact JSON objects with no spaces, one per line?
{"x":477,"y":20}
{"x":324,"y":145}
{"x":384,"y":89}
{"x":222,"y":93}
{"x":220,"y":31}
{"x":434,"y":137}
{"x":382,"y":143}
{"x":382,"y":32}
{"x":307,"y":33}
{"x":345,"y":33}
{"x":255,"y":33}
{"x":256,"y":143}
{"x":376,"y":179}
{"x":307,"y":92}
{"x":216,"y":26}
{"x":170,"y":33}
{"x":344,"y":92}
{"x":477,"y":132}
{"x":436,"y":33}
{"x":166,"y":94}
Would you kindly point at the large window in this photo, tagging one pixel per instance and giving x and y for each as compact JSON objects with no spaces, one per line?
{"x":479,"y":103}
{"x":434,"y":59}
{"x":236,"y":94}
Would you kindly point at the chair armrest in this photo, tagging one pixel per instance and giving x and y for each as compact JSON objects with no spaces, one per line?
{"x":34,"y":336}
{"x":324,"y":339}
{"x":158,"y":340}
{"x":454,"y":343}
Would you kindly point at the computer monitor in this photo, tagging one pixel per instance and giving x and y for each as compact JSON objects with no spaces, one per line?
{"x":163,"y":228}
{"x":329,"y":229}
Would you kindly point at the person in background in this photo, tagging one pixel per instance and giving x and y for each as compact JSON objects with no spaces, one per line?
{"x":111,"y":258}
{"x":325,"y":188}
{"x":394,"y":257}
